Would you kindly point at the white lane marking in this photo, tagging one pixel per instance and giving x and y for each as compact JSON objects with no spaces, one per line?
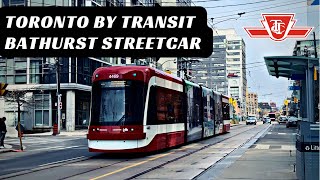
{"x":262,"y":146}
{"x":56,"y":148}
{"x":56,"y":162}
{"x":269,"y":132}
{"x":282,"y":133}
{"x":288,"y":147}
{"x":53,"y":147}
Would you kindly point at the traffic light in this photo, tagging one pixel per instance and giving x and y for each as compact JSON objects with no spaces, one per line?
{"x":3,"y":90}
{"x":295,"y":100}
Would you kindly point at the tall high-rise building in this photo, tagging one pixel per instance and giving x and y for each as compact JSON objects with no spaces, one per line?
{"x":224,"y":71}
{"x":252,"y":104}
{"x":37,"y":75}
{"x":306,"y":48}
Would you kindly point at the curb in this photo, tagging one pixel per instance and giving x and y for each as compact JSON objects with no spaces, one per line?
{"x":6,"y":150}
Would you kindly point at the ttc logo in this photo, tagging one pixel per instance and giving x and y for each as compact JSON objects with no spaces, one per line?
{"x":278,"y":27}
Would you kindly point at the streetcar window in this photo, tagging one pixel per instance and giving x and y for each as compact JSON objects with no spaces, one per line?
{"x":165,"y":106}
{"x":117,"y":103}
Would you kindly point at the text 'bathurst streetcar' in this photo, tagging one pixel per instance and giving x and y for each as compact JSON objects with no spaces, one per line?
{"x":142,"y":109}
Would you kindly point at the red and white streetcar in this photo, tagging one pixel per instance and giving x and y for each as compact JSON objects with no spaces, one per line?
{"x":142,"y":109}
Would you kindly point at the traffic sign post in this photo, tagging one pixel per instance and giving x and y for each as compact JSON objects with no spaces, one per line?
{"x":3,"y":90}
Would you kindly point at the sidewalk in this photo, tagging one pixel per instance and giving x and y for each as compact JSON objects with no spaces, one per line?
{"x":46,"y":134}
{"x":271,"y":158}
{"x":240,"y":123}
{"x":8,"y":148}
{"x":62,"y":133}
{"x":11,"y":147}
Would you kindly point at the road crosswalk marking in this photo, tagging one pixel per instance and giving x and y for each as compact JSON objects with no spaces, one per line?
{"x":282,"y":133}
{"x":262,"y":146}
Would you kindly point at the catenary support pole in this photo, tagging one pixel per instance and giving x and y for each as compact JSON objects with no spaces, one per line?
{"x":58,"y":94}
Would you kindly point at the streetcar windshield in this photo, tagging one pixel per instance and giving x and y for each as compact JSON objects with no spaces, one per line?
{"x":117,"y":103}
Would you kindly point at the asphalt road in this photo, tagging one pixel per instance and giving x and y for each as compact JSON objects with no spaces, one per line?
{"x":62,"y":158}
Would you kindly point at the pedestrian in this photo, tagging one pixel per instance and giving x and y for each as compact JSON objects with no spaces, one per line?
{"x":3,"y":131}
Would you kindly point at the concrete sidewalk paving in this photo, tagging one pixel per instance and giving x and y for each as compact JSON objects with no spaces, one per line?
{"x":46,"y":134}
{"x":267,"y":159}
{"x":62,"y":133}
{"x":262,"y":164}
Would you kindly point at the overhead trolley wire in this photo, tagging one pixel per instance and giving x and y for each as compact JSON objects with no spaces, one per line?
{"x":246,"y":12}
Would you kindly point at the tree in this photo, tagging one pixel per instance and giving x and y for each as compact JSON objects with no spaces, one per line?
{"x":19,"y":97}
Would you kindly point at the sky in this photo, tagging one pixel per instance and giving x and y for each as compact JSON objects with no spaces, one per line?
{"x":259,"y":80}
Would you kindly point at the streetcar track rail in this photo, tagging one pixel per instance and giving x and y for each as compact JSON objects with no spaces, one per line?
{"x":82,"y":159}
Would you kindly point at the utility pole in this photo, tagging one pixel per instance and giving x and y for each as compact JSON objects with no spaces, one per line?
{"x":59,"y":103}
{"x":315,"y":45}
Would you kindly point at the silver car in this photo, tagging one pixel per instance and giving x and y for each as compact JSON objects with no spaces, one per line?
{"x":282,"y":119}
{"x":292,"y":122}
{"x":251,"y":120}
{"x":266,"y":120}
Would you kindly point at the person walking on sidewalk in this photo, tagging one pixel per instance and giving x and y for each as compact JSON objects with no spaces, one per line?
{"x":3,"y":131}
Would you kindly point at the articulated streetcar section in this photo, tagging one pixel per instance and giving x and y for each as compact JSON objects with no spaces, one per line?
{"x":141,"y":109}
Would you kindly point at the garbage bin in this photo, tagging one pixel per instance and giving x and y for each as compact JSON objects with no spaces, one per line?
{"x":307,"y":151}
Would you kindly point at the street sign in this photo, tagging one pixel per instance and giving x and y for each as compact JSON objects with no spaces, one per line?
{"x":60,"y":105}
{"x":291,"y":88}
{"x":298,"y":77}
{"x":3,"y":90}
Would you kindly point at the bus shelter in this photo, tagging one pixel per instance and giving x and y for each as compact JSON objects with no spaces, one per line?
{"x":307,"y":139}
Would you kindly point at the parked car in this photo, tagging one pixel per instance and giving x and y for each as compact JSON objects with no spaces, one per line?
{"x":292,"y":122}
{"x":251,"y":120}
{"x":266,"y":120}
{"x":282,"y":119}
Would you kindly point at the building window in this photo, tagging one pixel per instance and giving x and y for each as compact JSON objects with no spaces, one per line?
{"x":13,"y":71}
{"x":233,"y":42}
{"x":14,"y":3}
{"x":183,"y":2}
{"x":36,"y":2}
{"x":234,"y":47}
{"x":35,"y":71}
{"x":42,"y":109}
{"x":233,"y":59}
{"x":218,"y":39}
{"x":233,"y":53}
{"x":234,"y":91}
{"x":233,"y":65}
